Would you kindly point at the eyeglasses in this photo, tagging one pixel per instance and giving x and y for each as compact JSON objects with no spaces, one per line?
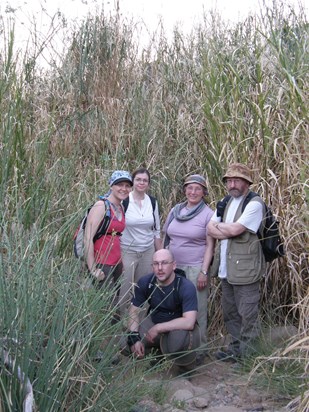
{"x":163,"y":263}
{"x":140,"y":180}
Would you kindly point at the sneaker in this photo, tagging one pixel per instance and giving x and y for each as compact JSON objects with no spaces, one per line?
{"x":226,"y":356}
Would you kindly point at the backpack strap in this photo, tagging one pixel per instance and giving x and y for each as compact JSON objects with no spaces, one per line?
{"x":249,"y":197}
{"x":177,"y":282}
{"x":125,"y":204}
{"x":221,"y":205}
{"x":103,"y":227}
{"x":167,"y":239}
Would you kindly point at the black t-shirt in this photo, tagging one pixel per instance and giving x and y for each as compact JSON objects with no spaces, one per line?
{"x":165,"y":303}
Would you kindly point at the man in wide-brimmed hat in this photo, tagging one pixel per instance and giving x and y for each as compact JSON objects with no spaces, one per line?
{"x":240,"y":260}
{"x":170,"y":325}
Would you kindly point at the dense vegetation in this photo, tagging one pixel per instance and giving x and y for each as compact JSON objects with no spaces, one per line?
{"x":224,"y":93}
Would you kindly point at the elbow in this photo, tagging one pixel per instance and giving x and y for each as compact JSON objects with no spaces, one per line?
{"x":191,"y":326}
{"x":191,"y":322}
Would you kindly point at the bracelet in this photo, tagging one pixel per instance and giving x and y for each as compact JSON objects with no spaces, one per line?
{"x":204,"y":272}
{"x":133,"y":337}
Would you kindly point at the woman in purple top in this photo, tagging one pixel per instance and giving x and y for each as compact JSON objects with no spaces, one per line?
{"x":186,"y":237}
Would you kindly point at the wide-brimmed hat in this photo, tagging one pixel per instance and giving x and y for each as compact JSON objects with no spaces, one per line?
{"x":238,"y":170}
{"x":195,"y":179}
{"x":120,"y":176}
{"x":181,"y":345}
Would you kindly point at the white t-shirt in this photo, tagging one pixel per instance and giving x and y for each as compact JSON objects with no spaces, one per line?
{"x":139,"y":232}
{"x":251,"y":218}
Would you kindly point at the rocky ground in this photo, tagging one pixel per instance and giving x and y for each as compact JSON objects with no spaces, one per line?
{"x":216,"y":386}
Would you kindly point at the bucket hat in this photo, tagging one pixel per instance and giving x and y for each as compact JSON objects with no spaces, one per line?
{"x":238,"y":170}
{"x":195,"y":179}
{"x":181,"y":345}
{"x":120,"y":176}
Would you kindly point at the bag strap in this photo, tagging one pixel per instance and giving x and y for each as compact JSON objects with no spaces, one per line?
{"x":125,"y":204}
{"x":103,"y":227}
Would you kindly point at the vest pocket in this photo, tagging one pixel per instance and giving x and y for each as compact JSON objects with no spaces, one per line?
{"x":242,"y":269}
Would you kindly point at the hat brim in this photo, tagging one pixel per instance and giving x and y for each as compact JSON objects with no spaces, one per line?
{"x":239,"y":176}
{"x":122,"y":179}
{"x":181,"y":357}
{"x":195,"y":181}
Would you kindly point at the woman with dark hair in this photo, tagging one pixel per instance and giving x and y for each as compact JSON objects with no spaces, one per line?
{"x":141,"y":237}
{"x":186,"y":237}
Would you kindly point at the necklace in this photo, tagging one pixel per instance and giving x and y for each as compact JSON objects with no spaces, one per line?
{"x":117,"y":210}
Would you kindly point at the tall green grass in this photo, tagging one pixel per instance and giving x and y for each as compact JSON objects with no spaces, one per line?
{"x":225,"y":93}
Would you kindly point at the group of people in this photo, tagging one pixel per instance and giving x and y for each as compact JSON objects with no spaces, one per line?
{"x":161,"y":283}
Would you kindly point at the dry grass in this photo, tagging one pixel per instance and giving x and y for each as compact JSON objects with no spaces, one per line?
{"x":225,"y":93}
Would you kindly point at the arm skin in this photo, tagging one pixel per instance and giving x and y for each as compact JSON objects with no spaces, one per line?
{"x":186,"y":322}
{"x":138,"y":348}
{"x":158,"y":243}
{"x":224,"y":230}
{"x":209,"y":252}
{"x":95,"y":217}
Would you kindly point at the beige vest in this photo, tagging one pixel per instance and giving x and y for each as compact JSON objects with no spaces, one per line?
{"x":244,"y":258}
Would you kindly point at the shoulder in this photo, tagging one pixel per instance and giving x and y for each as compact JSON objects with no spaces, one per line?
{"x":145,"y":280}
{"x":208,"y":212}
{"x":99,"y":206}
{"x":152,"y":200}
{"x":185,"y":284}
{"x":255,"y":202}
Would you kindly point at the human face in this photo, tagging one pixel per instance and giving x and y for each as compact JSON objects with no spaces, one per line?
{"x":194,"y":193}
{"x":141,"y":182}
{"x":163,"y":268}
{"x":121,"y":190}
{"x":236,"y":186}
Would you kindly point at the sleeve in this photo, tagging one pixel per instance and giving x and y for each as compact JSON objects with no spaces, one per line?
{"x":167,"y":221}
{"x":215,"y":217}
{"x":252,"y":216}
{"x":157,"y":230}
{"x":189,"y":296}
{"x":140,"y":292}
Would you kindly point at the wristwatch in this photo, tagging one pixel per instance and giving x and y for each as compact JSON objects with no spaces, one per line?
{"x":204,"y":272}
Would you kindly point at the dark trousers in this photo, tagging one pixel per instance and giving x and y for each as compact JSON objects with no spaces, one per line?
{"x":111,"y":282}
{"x":240,"y":304}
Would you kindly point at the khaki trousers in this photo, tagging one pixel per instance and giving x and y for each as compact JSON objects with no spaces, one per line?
{"x":135,"y":265}
{"x":192,"y":273}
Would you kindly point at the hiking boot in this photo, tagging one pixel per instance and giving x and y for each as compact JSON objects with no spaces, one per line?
{"x":186,"y":371}
{"x":226,"y":356}
{"x":200,"y":357}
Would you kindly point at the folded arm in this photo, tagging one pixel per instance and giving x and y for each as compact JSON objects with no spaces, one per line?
{"x":222,"y":230}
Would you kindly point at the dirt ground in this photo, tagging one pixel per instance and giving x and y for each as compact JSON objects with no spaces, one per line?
{"x":218,"y":386}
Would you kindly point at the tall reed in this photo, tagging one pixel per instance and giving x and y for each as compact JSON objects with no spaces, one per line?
{"x":225,"y":93}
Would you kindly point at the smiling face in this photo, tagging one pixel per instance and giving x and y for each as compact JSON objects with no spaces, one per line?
{"x":194,"y":193}
{"x":120,"y":191}
{"x":141,"y":182}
